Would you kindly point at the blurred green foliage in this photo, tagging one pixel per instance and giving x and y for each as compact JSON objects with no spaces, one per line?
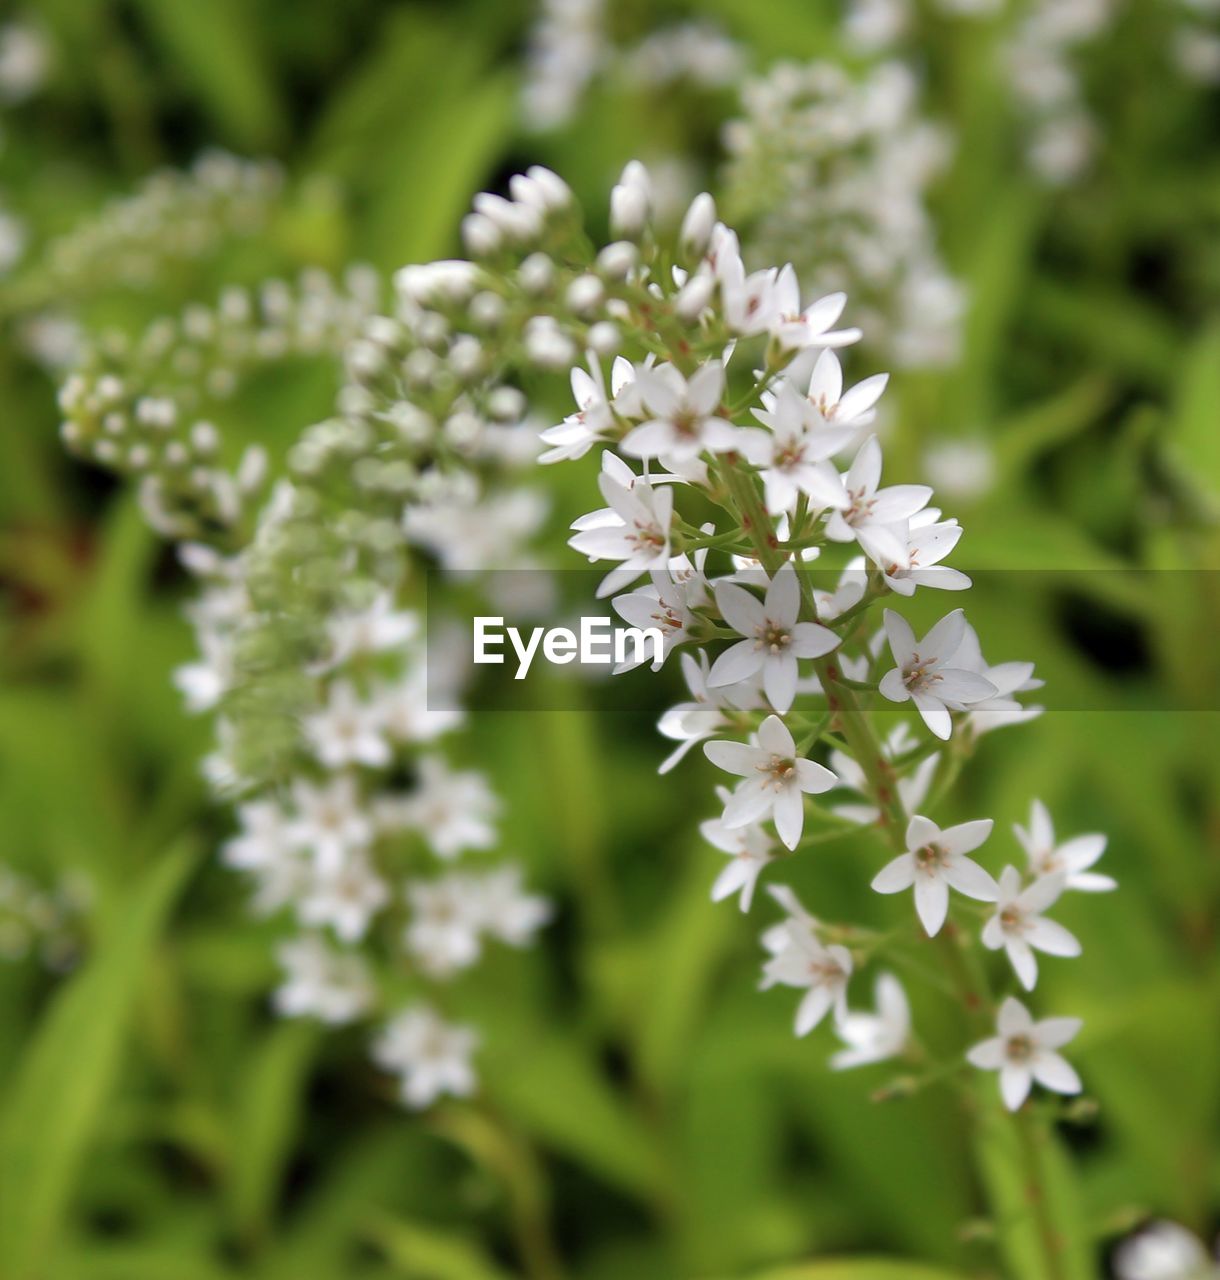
{"x":646,"y":1113}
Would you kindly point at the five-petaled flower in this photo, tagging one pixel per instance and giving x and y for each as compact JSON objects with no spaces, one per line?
{"x":774,"y":638}
{"x":1024,"y":1051}
{"x":1019,"y":927}
{"x":934,"y":863}
{"x":776,"y":780}
{"x":925,"y":673}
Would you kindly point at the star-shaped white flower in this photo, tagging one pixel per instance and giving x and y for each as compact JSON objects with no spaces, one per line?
{"x":1024,"y":1052}
{"x":875,"y":1037}
{"x":749,"y":848}
{"x":928,"y":544}
{"x":936,"y":862}
{"x":927,"y":674}
{"x":803,"y":961}
{"x":792,"y":453}
{"x":876,"y":518}
{"x":1072,"y":859}
{"x":853,"y":408}
{"x":330,"y":821}
{"x":690,"y":722}
{"x":776,"y":780}
{"x":633,"y":529}
{"x":431,"y":1056}
{"x":775,"y":640}
{"x":1018,"y":925}
{"x":795,"y":327}
{"x":684,"y":420}
{"x":347,"y":730}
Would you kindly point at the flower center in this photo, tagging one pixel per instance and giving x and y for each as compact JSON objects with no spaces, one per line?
{"x":929,"y":858}
{"x":772,"y":637}
{"x":778,"y":772}
{"x":919,"y":673}
{"x":1019,"y":1048}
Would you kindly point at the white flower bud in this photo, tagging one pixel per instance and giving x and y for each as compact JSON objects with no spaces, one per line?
{"x":628,"y":211}
{"x":696,"y":233}
{"x":480,"y":235}
{"x":466,"y":356}
{"x":537,"y":273}
{"x":605,"y":338}
{"x":694,"y":296}
{"x":488,"y":309}
{"x":205,"y":438}
{"x":556,"y":192}
{"x":585,"y":294}
{"x":506,"y":404}
{"x":616,"y":260}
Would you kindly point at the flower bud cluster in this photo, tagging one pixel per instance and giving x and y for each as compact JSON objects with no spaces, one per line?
{"x":835,"y":167}
{"x":177,"y":215}
{"x":147,"y":407}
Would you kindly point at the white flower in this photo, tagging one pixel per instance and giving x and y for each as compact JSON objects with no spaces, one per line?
{"x":1024,"y":1052}
{"x":506,"y":910}
{"x":376,"y":629}
{"x":452,"y":810}
{"x":634,"y":530}
{"x":684,"y":421}
{"x":695,"y":721}
{"x":1009,"y":678}
{"x":927,"y":545}
{"x":203,"y":683}
{"x":749,"y":302}
{"x":875,"y":1037}
{"x":794,"y":328}
{"x":927,"y":674}
{"x":446,"y":921}
{"x":1072,"y":859}
{"x":346,"y":898}
{"x":876,"y":518}
{"x":934,"y":863}
{"x":320,"y":982}
{"x":1164,"y":1251}
{"x":775,"y":640}
{"x":431,"y":1056}
{"x":577,"y":433}
{"x":405,"y":713}
{"x":664,"y":604}
{"x":1019,"y":928}
{"x":749,"y":849}
{"x":853,"y":408}
{"x":776,"y":780}
{"x":803,"y":961}
{"x":330,"y":821}
{"x":347,"y":730}
{"x":793,"y":453}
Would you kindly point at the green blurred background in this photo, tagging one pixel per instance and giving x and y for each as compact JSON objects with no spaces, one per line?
{"x":645,"y":1113}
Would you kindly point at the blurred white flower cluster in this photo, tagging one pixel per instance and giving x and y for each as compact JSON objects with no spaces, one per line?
{"x":832,"y":169}
{"x":572,"y":44}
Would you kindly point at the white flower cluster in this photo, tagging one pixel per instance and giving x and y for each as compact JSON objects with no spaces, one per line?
{"x":1038,"y":41}
{"x":42,"y":920}
{"x":1039,"y":62}
{"x":356,"y":830}
{"x":175,"y":215}
{"x":832,"y":169}
{"x":145,"y":408}
{"x":570,"y":46}
{"x":759,"y":438}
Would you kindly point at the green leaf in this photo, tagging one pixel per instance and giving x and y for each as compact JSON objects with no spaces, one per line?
{"x":68,"y":1071}
{"x":267,"y":1112}
{"x":424,"y":1253}
{"x":216,"y":47}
